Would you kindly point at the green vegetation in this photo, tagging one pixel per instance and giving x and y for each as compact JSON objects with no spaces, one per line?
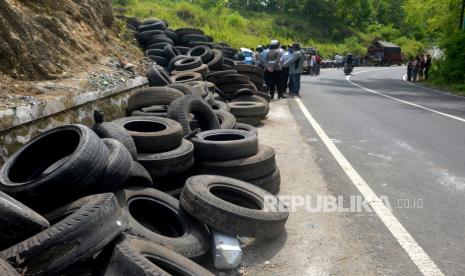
{"x":332,"y":26}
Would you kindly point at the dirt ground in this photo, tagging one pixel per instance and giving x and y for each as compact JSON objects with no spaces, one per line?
{"x":314,"y":243}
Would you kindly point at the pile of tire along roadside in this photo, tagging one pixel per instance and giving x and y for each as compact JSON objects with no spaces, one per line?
{"x":141,"y":195}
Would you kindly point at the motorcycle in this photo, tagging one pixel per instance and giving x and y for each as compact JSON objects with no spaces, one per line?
{"x":348,"y":68}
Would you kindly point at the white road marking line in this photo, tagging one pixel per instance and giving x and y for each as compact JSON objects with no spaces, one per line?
{"x":402,"y":101}
{"x":408,"y":243}
{"x":430,"y":89}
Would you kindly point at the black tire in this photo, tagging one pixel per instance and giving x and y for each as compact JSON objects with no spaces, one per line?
{"x":138,"y":176}
{"x":224,"y":144}
{"x":202,"y":70}
{"x":158,"y":39}
{"x":186,"y":31}
{"x":117,"y":171}
{"x":233,"y":87}
{"x":218,"y":74}
{"x":193,"y":37}
{"x":219,"y":105}
{"x":216,"y":63}
{"x":157,"y":217}
{"x":227,"y":120}
{"x":157,"y":76}
{"x":246,"y":127}
{"x":249,"y":69}
{"x":137,"y":257}
{"x":152,"y":134}
{"x":17,"y":222}
{"x":170,"y":66}
{"x":229,"y":79}
{"x":151,"y":114}
{"x":253,"y":98}
{"x":253,"y":121}
{"x":160,"y":25}
{"x":187,"y":76}
{"x":193,"y":44}
{"x":171,"y":34}
{"x":45,"y":166}
{"x":146,"y":36}
{"x":113,"y":131}
{"x":158,"y":45}
{"x":79,"y":230}
{"x":185,"y":88}
{"x":203,"y":52}
{"x":170,"y":52}
{"x":150,"y":21}
{"x":161,"y":61}
{"x":248,"y":109}
{"x":152,"y":96}
{"x":241,"y":93}
{"x":183,"y":50}
{"x":155,"y":52}
{"x":181,"y":109}
{"x":257,"y":166}
{"x":265,"y":96}
{"x":187,"y":63}
{"x":233,"y":206}
{"x":168,"y":163}
{"x":6,"y":269}
{"x":270,"y":183}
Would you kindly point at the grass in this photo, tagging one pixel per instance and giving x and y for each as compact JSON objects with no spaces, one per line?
{"x":249,"y":29}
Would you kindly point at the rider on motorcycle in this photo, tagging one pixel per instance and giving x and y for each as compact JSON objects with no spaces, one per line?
{"x":350,"y":60}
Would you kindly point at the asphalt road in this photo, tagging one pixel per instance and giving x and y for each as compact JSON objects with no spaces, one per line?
{"x":409,"y":146}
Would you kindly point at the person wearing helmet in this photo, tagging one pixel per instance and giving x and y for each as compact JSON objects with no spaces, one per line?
{"x":350,"y":59}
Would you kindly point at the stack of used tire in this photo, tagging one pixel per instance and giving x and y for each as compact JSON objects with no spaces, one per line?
{"x":74,"y":203}
{"x":237,"y":154}
{"x":187,"y":55}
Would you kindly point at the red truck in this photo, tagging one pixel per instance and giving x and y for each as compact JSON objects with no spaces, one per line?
{"x":384,"y":53}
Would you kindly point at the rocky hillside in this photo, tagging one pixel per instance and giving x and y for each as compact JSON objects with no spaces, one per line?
{"x":43,"y":39}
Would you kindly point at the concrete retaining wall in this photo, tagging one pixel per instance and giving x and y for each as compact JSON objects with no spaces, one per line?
{"x":18,"y":125}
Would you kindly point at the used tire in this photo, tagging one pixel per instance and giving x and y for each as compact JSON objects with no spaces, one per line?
{"x":45,"y":166}
{"x":248,"y":109}
{"x":138,"y":176}
{"x":117,"y":171}
{"x":249,"y":69}
{"x":219,"y":105}
{"x":227,"y":120}
{"x":170,"y":66}
{"x":170,"y":52}
{"x":170,"y":162}
{"x":216,"y":62}
{"x":270,"y":183}
{"x":257,"y":166}
{"x":157,"y":217}
{"x":224,"y":144}
{"x":203,"y":52}
{"x":17,"y":222}
{"x":185,"y":88}
{"x":159,"y":60}
{"x":6,"y":269}
{"x":113,"y":131}
{"x":137,"y":257}
{"x":79,"y":230}
{"x":152,"y":96}
{"x":188,"y":63}
{"x":184,"y":77}
{"x":233,"y":206}
{"x":246,"y":127}
{"x":157,"y":76}
{"x":181,"y":109}
{"x":152,"y":134}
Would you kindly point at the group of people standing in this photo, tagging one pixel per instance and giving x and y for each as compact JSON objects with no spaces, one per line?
{"x":418,"y":68}
{"x":283,"y":67}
